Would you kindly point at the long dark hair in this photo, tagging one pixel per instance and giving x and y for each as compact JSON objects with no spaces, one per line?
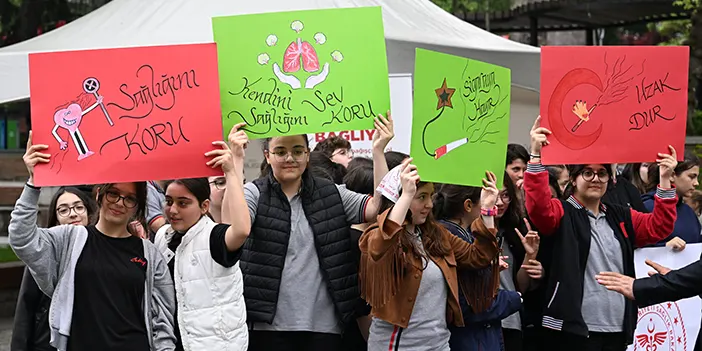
{"x":140,"y":214}
{"x":430,"y":229}
{"x":449,"y":200}
{"x":90,"y":205}
{"x":554,"y":172}
{"x":199,"y":187}
{"x":632,"y":172}
{"x":512,"y":218}
{"x":322,"y":166}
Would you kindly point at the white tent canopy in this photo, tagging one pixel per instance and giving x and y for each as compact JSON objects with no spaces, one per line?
{"x":408,"y":24}
{"x":126,"y":23}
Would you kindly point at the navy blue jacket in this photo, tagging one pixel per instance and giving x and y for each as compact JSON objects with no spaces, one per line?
{"x":687,"y":224}
{"x":482,"y":331}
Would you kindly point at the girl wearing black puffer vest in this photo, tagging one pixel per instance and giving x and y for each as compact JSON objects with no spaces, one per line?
{"x":300,"y":273}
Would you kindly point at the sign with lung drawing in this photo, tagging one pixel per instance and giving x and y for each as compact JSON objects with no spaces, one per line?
{"x":289,"y":73}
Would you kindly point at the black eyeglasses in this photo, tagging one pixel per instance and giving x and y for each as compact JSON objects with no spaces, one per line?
{"x":602,"y":175}
{"x":281,"y":155}
{"x":504,"y":196}
{"x":220,"y":183}
{"x":114,"y":197}
{"x":65,"y":211}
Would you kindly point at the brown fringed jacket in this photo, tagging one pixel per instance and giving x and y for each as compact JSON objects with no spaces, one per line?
{"x":390,"y":285}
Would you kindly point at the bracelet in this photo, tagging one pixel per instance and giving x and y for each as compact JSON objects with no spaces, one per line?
{"x":489,"y":212}
{"x":534,"y":156}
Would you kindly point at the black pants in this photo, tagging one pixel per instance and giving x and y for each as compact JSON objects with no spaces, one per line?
{"x":532,"y":338}
{"x":559,"y":341}
{"x":292,"y":341}
{"x":513,"y":339}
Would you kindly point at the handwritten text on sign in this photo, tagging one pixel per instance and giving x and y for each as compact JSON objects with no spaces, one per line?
{"x":302,"y":72}
{"x":125,"y":114}
{"x":461,"y":115}
{"x":599,"y":101}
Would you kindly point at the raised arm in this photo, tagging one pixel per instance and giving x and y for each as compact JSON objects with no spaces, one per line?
{"x":93,"y":106}
{"x":544,"y":212}
{"x":39,"y":248}
{"x":650,"y":228}
{"x":377,"y":240}
{"x":384,"y":132}
{"x":481,"y":253}
{"x":484,"y":250}
{"x":233,"y":204}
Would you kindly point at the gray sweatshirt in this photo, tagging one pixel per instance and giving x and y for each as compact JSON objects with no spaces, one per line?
{"x":51,"y":255}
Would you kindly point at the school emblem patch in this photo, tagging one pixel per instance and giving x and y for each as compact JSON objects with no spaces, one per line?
{"x":660,"y":328}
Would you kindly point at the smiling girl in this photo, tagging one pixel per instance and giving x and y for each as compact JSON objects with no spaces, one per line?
{"x":590,"y":236}
{"x":300,"y":274}
{"x":203,"y":256}
{"x":31,"y":323}
{"x":122,"y":282}
{"x":409,"y":266}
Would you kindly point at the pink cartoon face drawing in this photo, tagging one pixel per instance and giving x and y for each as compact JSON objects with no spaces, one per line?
{"x":69,"y":118}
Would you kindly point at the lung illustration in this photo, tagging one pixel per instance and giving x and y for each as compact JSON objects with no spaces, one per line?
{"x":299,"y":50}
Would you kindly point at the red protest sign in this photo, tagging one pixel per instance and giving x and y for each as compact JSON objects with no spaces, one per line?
{"x":120,"y":115}
{"x":613,"y":104}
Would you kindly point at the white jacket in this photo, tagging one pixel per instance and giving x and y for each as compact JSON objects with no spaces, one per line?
{"x":211,"y":309}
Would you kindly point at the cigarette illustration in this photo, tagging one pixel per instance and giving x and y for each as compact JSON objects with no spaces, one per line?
{"x":449,"y":147}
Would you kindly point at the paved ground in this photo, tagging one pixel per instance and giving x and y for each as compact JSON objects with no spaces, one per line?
{"x":5,"y":333}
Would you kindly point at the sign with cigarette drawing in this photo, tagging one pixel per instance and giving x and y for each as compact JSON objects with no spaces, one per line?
{"x":613,"y":104}
{"x":460,"y":122}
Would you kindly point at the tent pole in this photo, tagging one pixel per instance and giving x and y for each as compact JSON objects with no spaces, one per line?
{"x":534,"y":31}
{"x":487,"y":15}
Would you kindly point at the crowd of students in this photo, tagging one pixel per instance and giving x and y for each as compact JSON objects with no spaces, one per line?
{"x":316,"y":255}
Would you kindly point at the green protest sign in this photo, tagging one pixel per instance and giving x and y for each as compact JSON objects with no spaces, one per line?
{"x":288,"y":73}
{"x":460,"y":120}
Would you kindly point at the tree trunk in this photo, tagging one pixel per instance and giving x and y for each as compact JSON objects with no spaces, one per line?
{"x":695,"y":43}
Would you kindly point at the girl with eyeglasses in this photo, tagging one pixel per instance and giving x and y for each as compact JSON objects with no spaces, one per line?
{"x":110,"y":290}
{"x":30,"y":330}
{"x":218,"y":184}
{"x":203,"y":255}
{"x":591,"y":236}
{"x":300,"y":274}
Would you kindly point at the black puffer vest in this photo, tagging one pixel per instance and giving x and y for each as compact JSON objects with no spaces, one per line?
{"x":263,"y":254}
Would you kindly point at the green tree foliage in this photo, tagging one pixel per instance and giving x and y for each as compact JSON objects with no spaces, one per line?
{"x":471,"y":6}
